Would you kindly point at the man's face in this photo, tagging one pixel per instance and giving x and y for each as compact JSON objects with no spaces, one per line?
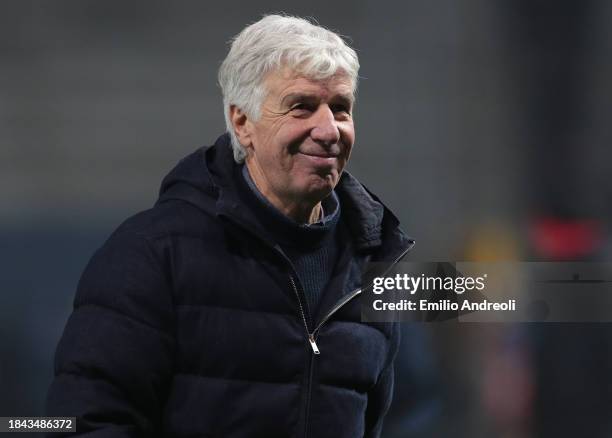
{"x":303,"y":139}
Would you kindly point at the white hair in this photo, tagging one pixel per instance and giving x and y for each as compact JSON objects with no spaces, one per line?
{"x":274,"y":42}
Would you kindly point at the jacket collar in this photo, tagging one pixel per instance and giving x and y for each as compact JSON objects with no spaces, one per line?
{"x":208,"y":177}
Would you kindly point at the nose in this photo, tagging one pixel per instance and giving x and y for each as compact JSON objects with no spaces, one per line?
{"x":325,"y":129}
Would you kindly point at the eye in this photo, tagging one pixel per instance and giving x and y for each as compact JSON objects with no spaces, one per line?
{"x":300,"y":107}
{"x":341,"y":112}
{"x":340,"y":108}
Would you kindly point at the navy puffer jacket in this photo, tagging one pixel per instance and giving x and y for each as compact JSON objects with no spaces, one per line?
{"x":191,"y":322}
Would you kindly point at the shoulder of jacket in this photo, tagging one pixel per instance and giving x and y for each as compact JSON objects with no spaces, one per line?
{"x":167,"y":219}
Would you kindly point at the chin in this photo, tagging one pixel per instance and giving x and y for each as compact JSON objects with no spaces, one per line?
{"x":316,"y":187}
{"x":319,"y":191}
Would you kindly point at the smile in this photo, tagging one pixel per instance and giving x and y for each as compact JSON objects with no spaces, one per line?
{"x":317,"y":159}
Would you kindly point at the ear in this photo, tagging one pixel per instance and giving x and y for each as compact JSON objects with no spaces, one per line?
{"x":242,"y":126}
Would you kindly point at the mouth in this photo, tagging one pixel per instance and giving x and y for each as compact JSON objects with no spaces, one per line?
{"x":321,"y":159}
{"x":319,"y":154}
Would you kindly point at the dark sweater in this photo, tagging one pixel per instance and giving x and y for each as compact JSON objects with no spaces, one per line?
{"x":312,"y":248}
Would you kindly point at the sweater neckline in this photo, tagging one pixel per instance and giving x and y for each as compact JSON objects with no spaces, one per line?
{"x":283,"y":229}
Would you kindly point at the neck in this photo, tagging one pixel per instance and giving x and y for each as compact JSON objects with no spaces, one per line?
{"x":303,"y":214}
{"x":301,"y":211}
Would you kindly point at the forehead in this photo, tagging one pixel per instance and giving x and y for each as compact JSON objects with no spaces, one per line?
{"x":285,"y":82}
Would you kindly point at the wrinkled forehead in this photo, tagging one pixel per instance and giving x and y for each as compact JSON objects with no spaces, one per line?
{"x":288,"y":80}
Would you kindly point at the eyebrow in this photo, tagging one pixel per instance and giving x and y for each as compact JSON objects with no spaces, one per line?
{"x":345,"y":99}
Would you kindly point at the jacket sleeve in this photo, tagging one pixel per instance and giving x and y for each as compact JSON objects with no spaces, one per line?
{"x":381,"y":395}
{"x":114,"y":361}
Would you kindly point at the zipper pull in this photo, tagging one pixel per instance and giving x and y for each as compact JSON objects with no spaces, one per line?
{"x":313,"y":344}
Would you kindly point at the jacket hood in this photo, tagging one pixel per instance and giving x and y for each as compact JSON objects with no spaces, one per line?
{"x":207,"y":179}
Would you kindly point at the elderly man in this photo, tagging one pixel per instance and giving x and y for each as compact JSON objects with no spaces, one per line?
{"x":231,"y":308}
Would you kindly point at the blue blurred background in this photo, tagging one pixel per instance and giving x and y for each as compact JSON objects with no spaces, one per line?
{"x":482,"y":124}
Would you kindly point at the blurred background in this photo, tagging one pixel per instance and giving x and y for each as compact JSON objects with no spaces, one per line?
{"x":482,"y":124}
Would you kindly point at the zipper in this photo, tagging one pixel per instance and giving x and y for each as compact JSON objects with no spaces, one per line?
{"x":311,"y":339}
{"x":308,"y":396}
{"x":313,"y":336}
{"x":315,"y":350}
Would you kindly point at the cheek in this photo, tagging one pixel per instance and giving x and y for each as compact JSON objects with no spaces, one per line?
{"x":347,"y":132}
{"x":348,"y":139}
{"x":288,"y":142}
{"x":347,"y":153}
